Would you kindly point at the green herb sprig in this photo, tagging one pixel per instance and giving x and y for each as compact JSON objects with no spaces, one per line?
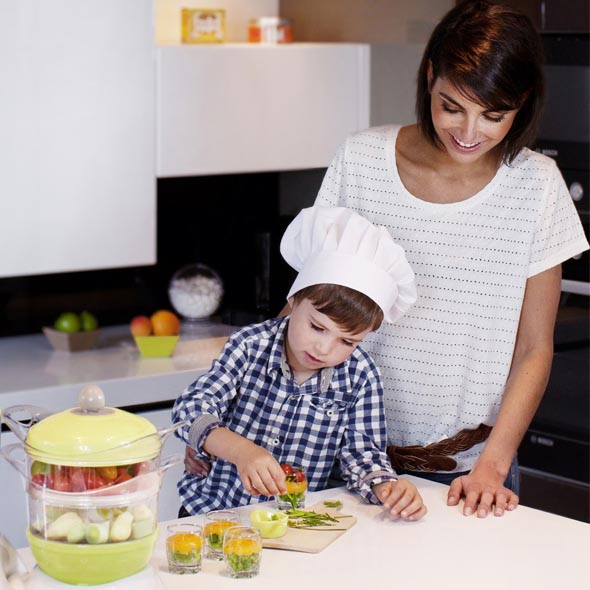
{"x":303,"y":519}
{"x":333,"y":504}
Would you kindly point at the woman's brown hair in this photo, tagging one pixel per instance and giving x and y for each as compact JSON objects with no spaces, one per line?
{"x":353,"y":311}
{"x":493,"y":55}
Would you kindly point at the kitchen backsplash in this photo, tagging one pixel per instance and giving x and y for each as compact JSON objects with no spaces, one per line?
{"x":230,"y":223}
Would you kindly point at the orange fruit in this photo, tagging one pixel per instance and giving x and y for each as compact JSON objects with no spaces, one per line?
{"x":184,"y":543}
{"x":165,"y":323}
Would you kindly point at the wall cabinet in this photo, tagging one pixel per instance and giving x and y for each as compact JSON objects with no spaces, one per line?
{"x":77,"y":157}
{"x":242,"y":108}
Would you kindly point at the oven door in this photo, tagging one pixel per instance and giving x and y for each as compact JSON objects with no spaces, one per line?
{"x":554,"y":454}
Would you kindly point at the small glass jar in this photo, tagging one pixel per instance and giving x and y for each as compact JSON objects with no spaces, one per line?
{"x":242,"y":550}
{"x":270,"y":30}
{"x":217,"y":522}
{"x":195,"y":292}
{"x":184,"y":548}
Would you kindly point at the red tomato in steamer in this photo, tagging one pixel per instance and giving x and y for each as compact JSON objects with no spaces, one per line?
{"x":61,"y":483}
{"x":39,"y":479}
{"x":85,"y":478}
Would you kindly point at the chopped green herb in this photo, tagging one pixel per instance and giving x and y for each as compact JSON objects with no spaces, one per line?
{"x":303,"y":519}
{"x":333,"y":504}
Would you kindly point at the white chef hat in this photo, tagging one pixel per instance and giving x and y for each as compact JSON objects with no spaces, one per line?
{"x":337,"y":246}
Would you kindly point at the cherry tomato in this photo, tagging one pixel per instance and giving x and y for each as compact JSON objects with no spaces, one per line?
{"x":109,"y":473}
{"x":92,"y":478}
{"x":39,"y":479}
{"x":124,"y":475}
{"x":77,"y":480}
{"x":287,"y":469}
{"x":61,"y":483}
{"x":143,"y":467}
{"x":299,"y":475}
{"x":85,"y":478}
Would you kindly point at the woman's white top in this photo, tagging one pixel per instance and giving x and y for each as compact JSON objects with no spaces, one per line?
{"x":445,"y":362}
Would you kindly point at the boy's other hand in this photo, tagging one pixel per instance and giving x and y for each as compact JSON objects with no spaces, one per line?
{"x":195,"y":466}
{"x":259,"y":471}
{"x":401,"y":499}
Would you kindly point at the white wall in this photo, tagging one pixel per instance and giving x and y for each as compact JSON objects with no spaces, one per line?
{"x":237,"y":15}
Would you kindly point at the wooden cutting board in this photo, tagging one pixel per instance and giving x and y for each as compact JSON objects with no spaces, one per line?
{"x":313,"y":540}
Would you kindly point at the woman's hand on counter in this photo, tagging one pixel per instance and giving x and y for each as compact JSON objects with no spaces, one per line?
{"x":484,"y":491}
{"x":195,"y":466}
{"x":401,"y":499}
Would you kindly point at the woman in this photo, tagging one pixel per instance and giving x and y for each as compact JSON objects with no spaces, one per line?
{"x":486,"y":224}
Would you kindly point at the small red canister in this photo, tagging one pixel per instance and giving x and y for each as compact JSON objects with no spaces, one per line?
{"x":270,"y":30}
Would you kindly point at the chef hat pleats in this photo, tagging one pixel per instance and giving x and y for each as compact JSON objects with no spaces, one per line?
{"x":338,"y":246}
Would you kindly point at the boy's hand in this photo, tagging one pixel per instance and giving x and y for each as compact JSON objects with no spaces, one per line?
{"x":195,"y":466}
{"x":259,"y":471}
{"x":401,"y":499}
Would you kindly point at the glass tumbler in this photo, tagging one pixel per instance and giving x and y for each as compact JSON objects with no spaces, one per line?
{"x":242,"y":551}
{"x":296,"y":484}
{"x":184,"y":545}
{"x":216,"y":523}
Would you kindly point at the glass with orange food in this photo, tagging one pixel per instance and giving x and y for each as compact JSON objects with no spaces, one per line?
{"x":184,"y":548}
{"x":216,"y":523}
{"x":296,"y":484}
{"x":242,"y":550}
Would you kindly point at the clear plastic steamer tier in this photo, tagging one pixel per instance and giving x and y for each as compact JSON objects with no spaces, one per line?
{"x":92,"y":475}
{"x":195,"y":291}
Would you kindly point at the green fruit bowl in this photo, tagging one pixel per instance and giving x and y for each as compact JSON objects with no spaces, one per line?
{"x":272,"y":524}
{"x":71,"y":342}
{"x":91,"y":564}
{"x":156,"y":346}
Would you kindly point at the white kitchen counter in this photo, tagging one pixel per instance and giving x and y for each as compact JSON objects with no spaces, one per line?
{"x":31,"y":372}
{"x":525,"y":549}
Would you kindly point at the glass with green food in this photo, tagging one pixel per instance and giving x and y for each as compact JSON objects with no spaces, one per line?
{"x":184,"y":548}
{"x":216,"y":523}
{"x":296,"y":484}
{"x":242,"y":551}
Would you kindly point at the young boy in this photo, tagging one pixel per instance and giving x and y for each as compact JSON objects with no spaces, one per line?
{"x":299,"y":389}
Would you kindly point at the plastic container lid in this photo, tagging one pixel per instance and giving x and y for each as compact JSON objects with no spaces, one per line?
{"x":93,"y":435}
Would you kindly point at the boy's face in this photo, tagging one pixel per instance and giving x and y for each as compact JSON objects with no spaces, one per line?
{"x":314,"y":341}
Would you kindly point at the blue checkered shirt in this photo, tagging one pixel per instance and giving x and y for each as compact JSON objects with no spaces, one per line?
{"x":335,"y":417}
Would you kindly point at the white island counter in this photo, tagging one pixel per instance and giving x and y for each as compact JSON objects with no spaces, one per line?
{"x":524,"y":550}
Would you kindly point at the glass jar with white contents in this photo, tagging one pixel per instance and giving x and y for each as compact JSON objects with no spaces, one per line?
{"x":195,"y":291}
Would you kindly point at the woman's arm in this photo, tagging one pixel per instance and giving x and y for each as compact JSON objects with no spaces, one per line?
{"x":527,"y":380}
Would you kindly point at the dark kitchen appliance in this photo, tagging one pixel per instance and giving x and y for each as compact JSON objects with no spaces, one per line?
{"x":554,"y":454}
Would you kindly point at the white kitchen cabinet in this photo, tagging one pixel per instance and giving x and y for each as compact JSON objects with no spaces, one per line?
{"x":247,"y":107}
{"x":77,"y":157}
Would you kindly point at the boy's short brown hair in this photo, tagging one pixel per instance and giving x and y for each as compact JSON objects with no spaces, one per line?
{"x":352,"y":310}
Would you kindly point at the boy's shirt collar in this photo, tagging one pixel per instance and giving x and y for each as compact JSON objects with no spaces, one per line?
{"x":278,"y":362}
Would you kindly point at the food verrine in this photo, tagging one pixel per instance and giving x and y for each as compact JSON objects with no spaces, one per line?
{"x":242,"y":550}
{"x":184,"y":548}
{"x":216,"y":524}
{"x":296,"y":483}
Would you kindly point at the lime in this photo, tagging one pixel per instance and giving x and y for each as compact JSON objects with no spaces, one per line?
{"x":89,"y":321}
{"x":67,"y":322}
